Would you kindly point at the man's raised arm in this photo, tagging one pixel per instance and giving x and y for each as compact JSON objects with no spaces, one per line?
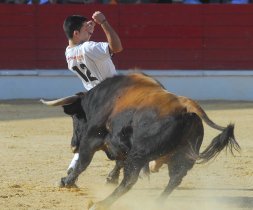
{"x":111,"y":35}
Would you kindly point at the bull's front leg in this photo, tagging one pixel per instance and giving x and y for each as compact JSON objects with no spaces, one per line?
{"x":86,"y":153}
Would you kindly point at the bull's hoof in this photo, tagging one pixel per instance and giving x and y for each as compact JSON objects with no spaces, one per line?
{"x":111,"y":181}
{"x":97,"y":206}
{"x":62,"y":184}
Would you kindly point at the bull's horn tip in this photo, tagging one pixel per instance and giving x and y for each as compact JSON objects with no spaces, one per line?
{"x":44,"y":102}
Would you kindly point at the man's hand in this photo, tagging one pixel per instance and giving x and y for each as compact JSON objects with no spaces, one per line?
{"x":112,"y":37}
{"x":98,"y":17}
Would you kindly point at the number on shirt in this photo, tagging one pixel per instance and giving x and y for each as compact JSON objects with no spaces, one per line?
{"x":86,"y":75}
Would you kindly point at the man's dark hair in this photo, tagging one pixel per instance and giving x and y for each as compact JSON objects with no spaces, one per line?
{"x":72,"y":23}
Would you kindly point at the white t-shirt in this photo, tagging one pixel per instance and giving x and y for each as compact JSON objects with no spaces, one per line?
{"x":91,"y":61}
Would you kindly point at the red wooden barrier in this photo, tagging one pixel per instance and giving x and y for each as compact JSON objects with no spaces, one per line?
{"x":165,"y":36}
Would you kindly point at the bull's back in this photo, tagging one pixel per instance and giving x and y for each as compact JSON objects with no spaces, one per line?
{"x":144,"y":93}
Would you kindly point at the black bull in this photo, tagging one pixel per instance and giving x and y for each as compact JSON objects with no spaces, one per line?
{"x":135,"y":120}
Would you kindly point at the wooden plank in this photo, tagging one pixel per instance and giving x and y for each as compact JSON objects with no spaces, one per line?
{"x":214,"y":9}
{"x":54,"y":15}
{"x":133,"y":55}
{"x":228,"y":43}
{"x":161,"y":19}
{"x":17,"y":32}
{"x":14,"y":9}
{"x":227,"y":55}
{"x":57,"y":32}
{"x":231,"y":65}
{"x":163,"y":43}
{"x":228,"y":20}
{"x":154,"y":9}
{"x":55,"y":20}
{"x":51,"y":43}
{"x":14,"y":44}
{"x":55,"y":54}
{"x":165,"y":14}
{"x":19,"y":64}
{"x":18,"y":55}
{"x":51,"y":32}
{"x":228,"y":32}
{"x":58,"y":19}
{"x":146,"y":64}
{"x":9,"y":20}
{"x":82,"y":9}
{"x":155,"y":31}
{"x":50,"y":64}
{"x":183,"y":55}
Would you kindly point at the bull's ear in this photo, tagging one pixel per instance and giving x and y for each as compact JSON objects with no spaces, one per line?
{"x":73,"y":108}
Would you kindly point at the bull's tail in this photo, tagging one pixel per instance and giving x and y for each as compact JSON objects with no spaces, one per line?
{"x":225,"y":139}
{"x":193,"y":106}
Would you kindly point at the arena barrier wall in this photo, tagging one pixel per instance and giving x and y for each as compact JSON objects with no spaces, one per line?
{"x":201,"y":51}
{"x":154,"y":36}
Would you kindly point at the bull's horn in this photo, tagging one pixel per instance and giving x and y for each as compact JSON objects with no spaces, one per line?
{"x":61,"y":101}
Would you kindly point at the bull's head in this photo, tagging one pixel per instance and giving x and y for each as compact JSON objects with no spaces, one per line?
{"x":72,"y":106}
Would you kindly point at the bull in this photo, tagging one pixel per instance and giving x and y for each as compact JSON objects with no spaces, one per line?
{"x":136,"y":121}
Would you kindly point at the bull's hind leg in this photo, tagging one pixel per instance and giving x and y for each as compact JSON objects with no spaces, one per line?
{"x":178,"y":167}
{"x":113,"y":176}
{"x":183,"y":160}
{"x":132,"y":168}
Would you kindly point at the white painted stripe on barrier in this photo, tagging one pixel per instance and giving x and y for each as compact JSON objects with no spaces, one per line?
{"x":200,"y":85}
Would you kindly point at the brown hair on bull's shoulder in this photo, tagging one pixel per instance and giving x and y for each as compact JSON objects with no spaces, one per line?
{"x":147,"y":92}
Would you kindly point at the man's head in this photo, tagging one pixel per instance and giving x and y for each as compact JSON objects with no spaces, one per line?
{"x":78,"y":29}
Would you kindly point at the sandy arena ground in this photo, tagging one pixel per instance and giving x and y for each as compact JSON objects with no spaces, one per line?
{"x":35,"y":153}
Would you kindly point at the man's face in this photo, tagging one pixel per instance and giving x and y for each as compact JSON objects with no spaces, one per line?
{"x":86,"y":31}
